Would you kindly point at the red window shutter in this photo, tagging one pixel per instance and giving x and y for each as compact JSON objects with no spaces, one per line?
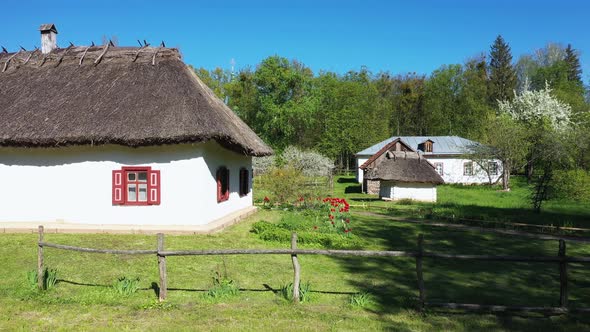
{"x":226,"y":194}
{"x":219,"y":175}
{"x":154,"y":188}
{"x":118,"y":188}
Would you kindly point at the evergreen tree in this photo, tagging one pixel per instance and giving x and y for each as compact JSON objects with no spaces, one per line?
{"x":502,"y":74}
{"x":574,"y":70}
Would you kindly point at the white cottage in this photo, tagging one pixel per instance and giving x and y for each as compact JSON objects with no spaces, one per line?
{"x":405,"y":175}
{"x":118,"y":135}
{"x":448,"y":154}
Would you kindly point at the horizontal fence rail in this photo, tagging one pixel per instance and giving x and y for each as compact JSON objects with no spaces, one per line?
{"x":362,"y":253}
{"x":419,"y":255}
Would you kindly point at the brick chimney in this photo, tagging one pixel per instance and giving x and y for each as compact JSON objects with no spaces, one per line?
{"x":48,"y":38}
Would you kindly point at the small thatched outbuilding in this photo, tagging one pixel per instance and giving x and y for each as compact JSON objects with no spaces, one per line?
{"x":118,"y":135}
{"x":406,"y":175}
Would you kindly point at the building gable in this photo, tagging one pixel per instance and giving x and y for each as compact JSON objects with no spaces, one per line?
{"x":395,"y":145}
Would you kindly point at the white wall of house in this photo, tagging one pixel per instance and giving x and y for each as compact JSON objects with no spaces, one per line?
{"x":425,"y":192}
{"x":74,"y":184}
{"x":359,"y":172}
{"x":453,"y":170}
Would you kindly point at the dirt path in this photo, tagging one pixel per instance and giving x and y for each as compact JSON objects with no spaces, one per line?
{"x":476,"y":228}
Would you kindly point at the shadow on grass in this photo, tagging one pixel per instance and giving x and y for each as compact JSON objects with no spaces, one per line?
{"x":523,"y":215}
{"x":393,"y":281}
{"x":353,"y":190}
{"x":75,"y":283}
{"x":365,"y":199}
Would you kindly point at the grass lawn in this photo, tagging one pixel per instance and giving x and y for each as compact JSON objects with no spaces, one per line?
{"x":83,"y":299}
{"x":478,"y":202}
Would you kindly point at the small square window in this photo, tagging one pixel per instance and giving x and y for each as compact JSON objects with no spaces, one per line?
{"x":142,"y":176}
{"x":439,"y":168}
{"x":468,"y":168}
{"x":493,"y":167}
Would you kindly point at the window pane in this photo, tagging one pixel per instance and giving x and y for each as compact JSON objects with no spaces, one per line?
{"x":131,"y":193}
{"x":142,"y":176}
{"x":131,"y":176}
{"x":143,"y":192}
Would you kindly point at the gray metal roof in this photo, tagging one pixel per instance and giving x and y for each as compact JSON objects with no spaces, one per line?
{"x":442,"y":144}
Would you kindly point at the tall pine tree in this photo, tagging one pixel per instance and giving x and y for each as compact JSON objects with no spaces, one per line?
{"x":574,"y":70}
{"x":502,"y":74}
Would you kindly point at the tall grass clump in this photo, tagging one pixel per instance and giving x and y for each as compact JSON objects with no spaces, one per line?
{"x":223,"y":286}
{"x":361,"y":300}
{"x":126,"y":286}
{"x":49,"y":278}
{"x":304,"y":292}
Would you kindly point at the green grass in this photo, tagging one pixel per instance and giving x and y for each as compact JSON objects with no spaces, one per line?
{"x":477,"y":202}
{"x":83,"y":298}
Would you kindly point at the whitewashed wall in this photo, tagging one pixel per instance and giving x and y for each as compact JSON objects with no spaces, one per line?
{"x":359,"y":172}
{"x":453,"y":171}
{"x":425,"y":192}
{"x":73,"y":184}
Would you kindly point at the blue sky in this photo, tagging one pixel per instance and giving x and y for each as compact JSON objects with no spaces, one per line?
{"x":396,"y":36}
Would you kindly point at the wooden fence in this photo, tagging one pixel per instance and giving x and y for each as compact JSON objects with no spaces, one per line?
{"x":561,"y":259}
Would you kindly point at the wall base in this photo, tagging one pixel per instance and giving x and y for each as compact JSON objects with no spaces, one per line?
{"x":64,"y":227}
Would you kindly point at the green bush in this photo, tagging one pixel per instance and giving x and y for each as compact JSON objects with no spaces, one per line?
{"x":126,"y":286}
{"x":571,"y":185}
{"x":284,"y":184}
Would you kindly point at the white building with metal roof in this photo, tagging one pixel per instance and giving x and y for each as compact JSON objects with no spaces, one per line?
{"x":448,"y":154}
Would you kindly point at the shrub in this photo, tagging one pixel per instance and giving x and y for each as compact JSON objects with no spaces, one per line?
{"x":126,"y":286}
{"x":361,"y":300}
{"x":573,"y":185}
{"x":49,"y":278}
{"x":284,"y":184}
{"x":304,"y":291}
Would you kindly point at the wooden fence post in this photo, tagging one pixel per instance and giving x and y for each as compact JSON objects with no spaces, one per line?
{"x":162,"y":268}
{"x":562,"y":276}
{"x":296,"y":269}
{"x":419,"y":271}
{"x":40,"y":272}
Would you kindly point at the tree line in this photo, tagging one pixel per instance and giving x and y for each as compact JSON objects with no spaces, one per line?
{"x":286,"y":103}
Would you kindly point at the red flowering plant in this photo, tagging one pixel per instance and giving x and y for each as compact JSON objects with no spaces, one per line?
{"x":338,"y":214}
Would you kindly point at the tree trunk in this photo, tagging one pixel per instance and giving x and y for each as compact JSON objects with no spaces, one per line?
{"x":506,"y":176}
{"x":529,"y":171}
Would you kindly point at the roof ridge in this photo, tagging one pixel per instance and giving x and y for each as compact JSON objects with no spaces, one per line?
{"x":77,"y":54}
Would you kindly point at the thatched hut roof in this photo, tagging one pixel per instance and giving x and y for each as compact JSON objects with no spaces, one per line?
{"x":131,"y":96}
{"x":405,"y":167}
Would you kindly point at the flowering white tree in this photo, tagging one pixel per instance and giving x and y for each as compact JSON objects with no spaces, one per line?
{"x":262,"y":165}
{"x":534,"y":107}
{"x":309,"y":162}
{"x":547,"y":120}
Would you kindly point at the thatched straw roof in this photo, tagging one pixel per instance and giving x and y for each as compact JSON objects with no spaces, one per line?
{"x":128,"y":96}
{"x":405,"y":167}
